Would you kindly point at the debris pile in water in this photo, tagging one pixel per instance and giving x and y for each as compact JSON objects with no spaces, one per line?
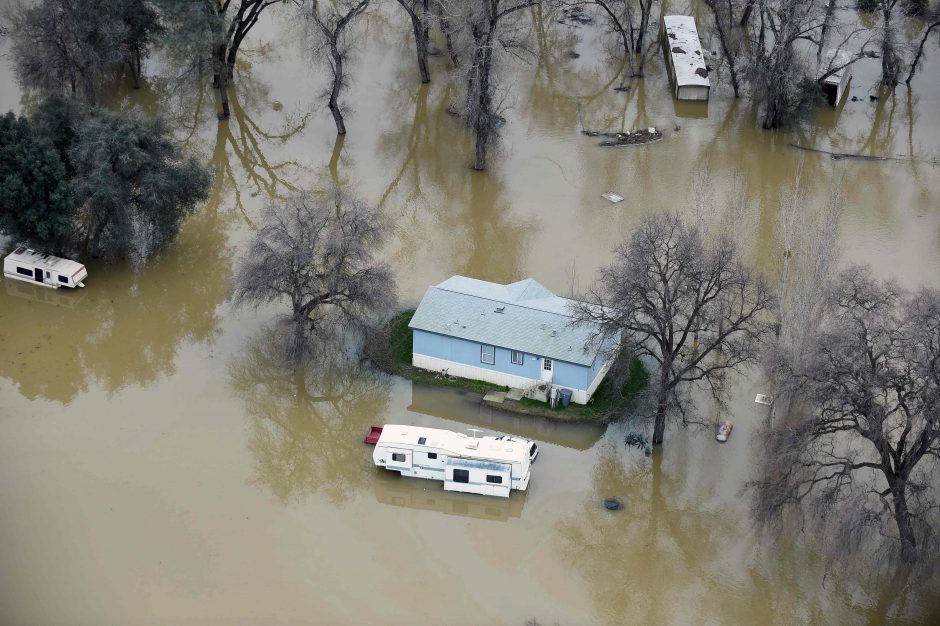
{"x":575,"y":16}
{"x":628,"y":138}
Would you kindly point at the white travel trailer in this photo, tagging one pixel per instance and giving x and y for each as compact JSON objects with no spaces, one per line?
{"x":43,"y":269}
{"x":485,"y":465}
{"x":687,"y":67}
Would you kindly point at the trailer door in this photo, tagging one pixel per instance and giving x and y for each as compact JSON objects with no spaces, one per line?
{"x":37,"y":274}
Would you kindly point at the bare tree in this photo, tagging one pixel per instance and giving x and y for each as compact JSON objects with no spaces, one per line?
{"x":419,"y":13}
{"x":891,"y":56}
{"x":211,"y":33}
{"x":866,"y":449}
{"x":317,"y":254}
{"x":695,"y":309}
{"x":74,"y":47}
{"x":730,"y":38}
{"x":488,"y":28}
{"x":331,"y":24}
{"x":629,"y":20}
{"x":920,"y":48}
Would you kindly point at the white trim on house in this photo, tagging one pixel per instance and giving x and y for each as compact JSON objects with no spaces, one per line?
{"x":597,"y":379}
{"x":462,"y":370}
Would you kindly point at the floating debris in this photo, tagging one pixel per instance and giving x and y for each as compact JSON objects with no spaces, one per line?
{"x":622,"y":88}
{"x":613,"y":197}
{"x":628,"y":138}
{"x":724,"y":431}
{"x":613,"y":504}
{"x":763,"y":399}
{"x":636,"y":440}
{"x":575,"y":16}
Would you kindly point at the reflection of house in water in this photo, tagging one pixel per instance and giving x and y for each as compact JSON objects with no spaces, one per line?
{"x":58,"y":297}
{"x":467,"y":408}
{"x":393,"y":489}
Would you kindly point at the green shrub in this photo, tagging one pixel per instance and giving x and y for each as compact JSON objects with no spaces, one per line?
{"x":868,"y":5}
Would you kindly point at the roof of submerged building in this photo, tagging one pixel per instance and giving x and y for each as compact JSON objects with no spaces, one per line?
{"x":524,"y":316}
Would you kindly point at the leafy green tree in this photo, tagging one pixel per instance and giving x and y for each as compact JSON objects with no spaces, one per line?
{"x":132,"y":186}
{"x":35,"y":204}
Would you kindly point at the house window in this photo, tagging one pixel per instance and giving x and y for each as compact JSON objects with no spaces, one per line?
{"x":432,"y":455}
{"x":398,"y":458}
{"x":47,"y":273}
{"x":516,"y":357}
{"x":461,"y":476}
{"x":496,"y":480}
{"x":547,"y":365}
{"x":24,"y":271}
{"x":63,"y":279}
{"x":488,"y":354}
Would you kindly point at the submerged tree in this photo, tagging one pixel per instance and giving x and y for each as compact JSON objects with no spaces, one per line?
{"x":331,"y":24}
{"x":318,"y":255}
{"x":210,"y":34}
{"x":71,"y":47}
{"x":132,"y":186}
{"x":867,"y":450}
{"x":487,"y":27}
{"x":694,"y":308}
{"x":35,"y":201}
{"x":629,"y":20}
{"x":419,"y":13}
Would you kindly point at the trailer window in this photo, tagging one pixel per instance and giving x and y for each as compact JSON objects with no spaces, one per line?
{"x":496,"y":480}
{"x":24,"y":271}
{"x":421,"y":440}
{"x":461,"y":476}
{"x":63,"y":279}
{"x":432,"y":455}
{"x":398,"y":458}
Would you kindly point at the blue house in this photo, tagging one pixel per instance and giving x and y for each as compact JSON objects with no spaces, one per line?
{"x":519,"y":335}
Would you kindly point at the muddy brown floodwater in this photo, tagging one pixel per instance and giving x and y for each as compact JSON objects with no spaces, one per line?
{"x":157,"y":465}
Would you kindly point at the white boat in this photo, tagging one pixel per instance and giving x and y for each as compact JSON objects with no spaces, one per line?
{"x":43,"y":269}
{"x":486,"y":465}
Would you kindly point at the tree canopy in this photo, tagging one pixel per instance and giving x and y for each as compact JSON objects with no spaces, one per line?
{"x":35,"y":201}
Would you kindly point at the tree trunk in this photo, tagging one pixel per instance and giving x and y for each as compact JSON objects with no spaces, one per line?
{"x":223,"y":96}
{"x":902,"y":517}
{"x":920,"y":51}
{"x":890,"y":62}
{"x":483,"y":122}
{"x":748,"y":8}
{"x":334,"y":93}
{"x":662,"y":399}
{"x":444,"y":24}
{"x":419,"y":24}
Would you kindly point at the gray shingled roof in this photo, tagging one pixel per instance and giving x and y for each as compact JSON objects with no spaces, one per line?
{"x":533,"y":319}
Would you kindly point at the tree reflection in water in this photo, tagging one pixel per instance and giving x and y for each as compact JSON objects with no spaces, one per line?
{"x":308,"y":421}
{"x":127,"y":327}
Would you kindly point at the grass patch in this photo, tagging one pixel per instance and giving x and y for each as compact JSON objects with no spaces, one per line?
{"x":390,"y":349}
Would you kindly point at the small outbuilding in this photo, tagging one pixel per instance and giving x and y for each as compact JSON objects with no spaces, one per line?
{"x":519,"y":335}
{"x":836,"y":85}
{"x":683,"y":52}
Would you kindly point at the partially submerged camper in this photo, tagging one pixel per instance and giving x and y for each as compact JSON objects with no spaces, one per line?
{"x":485,"y":465}
{"x":836,"y":85}
{"x":43,"y":269}
{"x":684,"y":58}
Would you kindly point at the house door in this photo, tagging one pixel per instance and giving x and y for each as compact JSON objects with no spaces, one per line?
{"x":547,"y":366}
{"x":38,"y":274}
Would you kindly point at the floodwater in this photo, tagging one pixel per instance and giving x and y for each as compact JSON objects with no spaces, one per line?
{"x":159,"y":466}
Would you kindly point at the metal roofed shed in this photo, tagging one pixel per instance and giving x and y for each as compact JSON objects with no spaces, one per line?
{"x":684,"y":58}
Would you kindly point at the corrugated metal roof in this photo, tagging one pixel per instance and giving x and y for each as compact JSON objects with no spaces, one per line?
{"x":686,"y":50}
{"x":522,"y":316}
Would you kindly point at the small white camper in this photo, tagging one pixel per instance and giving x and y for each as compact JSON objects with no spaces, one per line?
{"x":43,"y":269}
{"x":485,"y":465}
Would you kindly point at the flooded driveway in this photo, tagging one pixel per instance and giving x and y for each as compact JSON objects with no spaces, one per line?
{"x":159,"y":466}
